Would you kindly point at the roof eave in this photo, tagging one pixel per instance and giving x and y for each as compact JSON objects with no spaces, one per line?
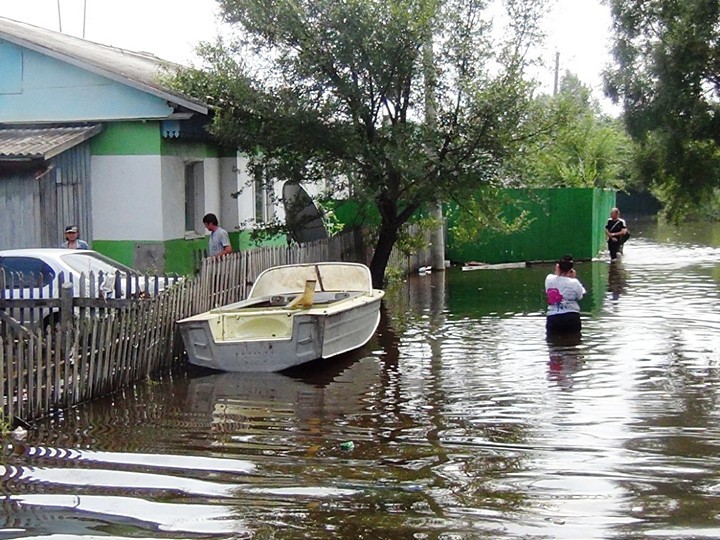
{"x":118,"y":77}
{"x":74,"y":141}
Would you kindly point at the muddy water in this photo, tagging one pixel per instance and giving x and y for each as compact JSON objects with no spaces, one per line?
{"x":459,"y":420}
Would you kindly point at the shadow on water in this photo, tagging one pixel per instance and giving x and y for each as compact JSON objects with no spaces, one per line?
{"x":459,"y":419}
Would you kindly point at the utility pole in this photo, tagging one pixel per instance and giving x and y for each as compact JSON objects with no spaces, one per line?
{"x":59,"y":17}
{"x":557,"y":72}
{"x":437,"y":235}
{"x":84,"y":16}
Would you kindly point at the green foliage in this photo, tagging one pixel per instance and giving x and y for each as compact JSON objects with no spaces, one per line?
{"x":488,"y":209}
{"x":412,"y":239}
{"x":397,"y":103}
{"x":667,"y":56}
{"x":5,"y":426}
{"x":579,"y":146}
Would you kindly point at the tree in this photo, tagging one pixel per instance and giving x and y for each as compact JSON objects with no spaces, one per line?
{"x":667,"y":76}
{"x":334,"y":91}
{"x":580,"y":148}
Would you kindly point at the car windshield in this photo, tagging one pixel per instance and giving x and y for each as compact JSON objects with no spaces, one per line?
{"x":86,"y":262}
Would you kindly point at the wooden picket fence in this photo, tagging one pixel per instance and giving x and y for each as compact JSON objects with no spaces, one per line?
{"x":101,"y":345}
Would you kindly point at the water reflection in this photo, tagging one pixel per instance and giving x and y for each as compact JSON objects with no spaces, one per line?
{"x":459,"y":420}
{"x":565,"y":357}
{"x":617,"y":279}
{"x":231,"y":403}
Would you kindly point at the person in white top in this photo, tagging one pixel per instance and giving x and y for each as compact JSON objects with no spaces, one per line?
{"x":563,"y":290}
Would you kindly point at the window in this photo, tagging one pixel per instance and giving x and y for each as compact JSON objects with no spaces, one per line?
{"x":26,"y":272}
{"x":194,"y":196}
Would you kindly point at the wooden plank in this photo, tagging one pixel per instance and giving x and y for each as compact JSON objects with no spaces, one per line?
{"x":47,"y":371}
{"x":136,"y":337}
{"x":124,"y":367}
{"x":11,"y":377}
{"x":148,"y":357}
{"x":104,"y":334}
{"x":12,"y":323}
{"x":66,"y":305}
{"x":92,"y":355}
{"x":66,"y":352}
{"x":30,"y":380}
{"x":4,"y":395}
{"x":20,"y":386}
{"x":75,"y":360}
{"x":107,"y":351}
{"x":57,"y":363}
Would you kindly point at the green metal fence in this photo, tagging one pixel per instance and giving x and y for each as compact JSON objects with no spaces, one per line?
{"x":560,"y":221}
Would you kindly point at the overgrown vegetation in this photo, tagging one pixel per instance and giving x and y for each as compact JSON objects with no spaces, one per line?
{"x":581,"y":147}
{"x":665,"y":75}
{"x":396,"y":103}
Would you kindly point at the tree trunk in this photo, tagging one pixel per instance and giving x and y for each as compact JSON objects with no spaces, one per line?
{"x":383,"y":249}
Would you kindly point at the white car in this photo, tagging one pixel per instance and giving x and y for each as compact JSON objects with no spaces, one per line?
{"x":36,"y":273}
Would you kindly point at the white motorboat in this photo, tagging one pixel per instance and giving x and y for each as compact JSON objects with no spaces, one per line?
{"x":294,"y":314}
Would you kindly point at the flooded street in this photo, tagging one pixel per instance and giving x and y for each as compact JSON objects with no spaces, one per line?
{"x":458,"y":420}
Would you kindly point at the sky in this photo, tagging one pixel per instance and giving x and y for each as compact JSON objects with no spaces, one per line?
{"x":577,"y":29}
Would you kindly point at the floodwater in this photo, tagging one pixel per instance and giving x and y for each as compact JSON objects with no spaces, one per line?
{"x":459,"y":420}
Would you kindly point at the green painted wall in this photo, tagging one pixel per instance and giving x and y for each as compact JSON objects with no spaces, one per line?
{"x":128,"y":139}
{"x":179,"y":254}
{"x":561,"y":221}
{"x":145,"y":139}
{"x":122,"y":251}
{"x":244,"y":241}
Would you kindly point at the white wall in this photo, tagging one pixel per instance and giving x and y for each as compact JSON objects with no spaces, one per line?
{"x":173,"y":204}
{"x":127,"y":198}
{"x":142,"y":198}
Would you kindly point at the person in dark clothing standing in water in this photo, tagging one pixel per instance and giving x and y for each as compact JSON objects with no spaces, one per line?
{"x":616,"y":233}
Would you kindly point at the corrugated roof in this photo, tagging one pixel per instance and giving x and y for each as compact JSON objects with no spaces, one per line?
{"x":19,"y":144}
{"x":136,"y":69}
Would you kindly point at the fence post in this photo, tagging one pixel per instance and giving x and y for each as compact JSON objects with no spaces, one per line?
{"x":66,"y":304}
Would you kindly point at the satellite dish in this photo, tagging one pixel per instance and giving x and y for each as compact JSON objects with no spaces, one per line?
{"x":301,"y":215}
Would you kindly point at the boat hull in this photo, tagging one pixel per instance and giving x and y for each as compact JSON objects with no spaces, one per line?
{"x":274,"y":339}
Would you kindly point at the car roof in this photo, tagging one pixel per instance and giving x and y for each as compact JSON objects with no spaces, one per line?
{"x":40,"y":252}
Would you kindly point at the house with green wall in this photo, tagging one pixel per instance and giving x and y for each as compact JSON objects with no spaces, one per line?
{"x":90,"y":135}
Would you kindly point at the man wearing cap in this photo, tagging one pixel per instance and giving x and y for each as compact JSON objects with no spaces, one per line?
{"x":72,"y":241}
